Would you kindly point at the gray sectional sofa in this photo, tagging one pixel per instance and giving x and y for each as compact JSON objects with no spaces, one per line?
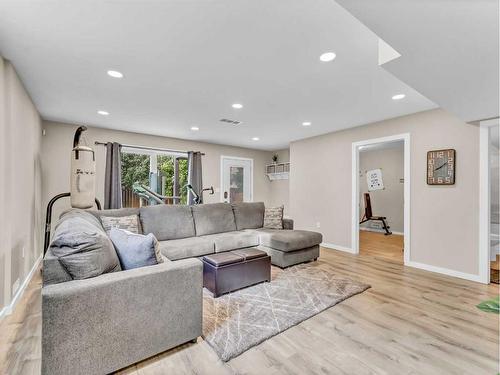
{"x":193,"y":231}
{"x":101,"y":324}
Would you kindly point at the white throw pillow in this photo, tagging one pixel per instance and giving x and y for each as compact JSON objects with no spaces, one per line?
{"x":130,"y":223}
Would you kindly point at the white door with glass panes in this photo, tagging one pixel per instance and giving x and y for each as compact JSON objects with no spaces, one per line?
{"x":236,"y":179}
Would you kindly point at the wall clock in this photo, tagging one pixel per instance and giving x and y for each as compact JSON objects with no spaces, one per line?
{"x":441,"y":167}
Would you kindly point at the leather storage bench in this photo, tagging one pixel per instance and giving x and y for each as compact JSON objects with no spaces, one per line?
{"x":232,"y":270}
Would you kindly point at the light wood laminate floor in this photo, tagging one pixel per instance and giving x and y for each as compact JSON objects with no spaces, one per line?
{"x":410,"y":322}
{"x":381,"y":246}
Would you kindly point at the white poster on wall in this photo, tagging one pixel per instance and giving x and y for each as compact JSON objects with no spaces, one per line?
{"x":374,"y":179}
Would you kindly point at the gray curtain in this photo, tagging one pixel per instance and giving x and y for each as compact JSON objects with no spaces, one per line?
{"x":194,"y":174}
{"x":113,"y":177}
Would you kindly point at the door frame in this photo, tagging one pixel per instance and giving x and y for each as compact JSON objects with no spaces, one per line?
{"x":405,"y":137}
{"x":225,"y":157}
{"x":484,"y":199}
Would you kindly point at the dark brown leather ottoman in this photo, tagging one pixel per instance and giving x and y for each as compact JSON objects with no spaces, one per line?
{"x":232,"y":270}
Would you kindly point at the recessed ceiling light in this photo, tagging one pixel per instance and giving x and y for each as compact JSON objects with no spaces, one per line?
{"x":237,"y":105}
{"x":103,"y":113}
{"x":195,"y":128}
{"x":398,"y":97}
{"x":115,"y":74}
{"x":255,"y":138}
{"x":306,"y":123}
{"x":328,"y":56}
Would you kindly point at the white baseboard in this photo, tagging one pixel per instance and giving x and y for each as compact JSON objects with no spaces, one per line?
{"x":380,"y":231}
{"x":7,"y":310}
{"x":422,"y":266}
{"x":336,"y":247}
{"x":445,"y":271}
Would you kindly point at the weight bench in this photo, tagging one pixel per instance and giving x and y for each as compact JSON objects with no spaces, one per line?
{"x":368,"y":216}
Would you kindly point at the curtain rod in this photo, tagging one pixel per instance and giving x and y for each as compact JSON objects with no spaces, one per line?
{"x":147,"y":148}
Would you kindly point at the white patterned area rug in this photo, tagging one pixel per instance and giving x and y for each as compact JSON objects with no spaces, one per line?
{"x":235,"y":322}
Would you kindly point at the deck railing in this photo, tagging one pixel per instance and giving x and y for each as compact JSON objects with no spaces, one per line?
{"x":131,"y":199}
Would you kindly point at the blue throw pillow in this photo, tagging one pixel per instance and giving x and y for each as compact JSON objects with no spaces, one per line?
{"x":135,"y":250}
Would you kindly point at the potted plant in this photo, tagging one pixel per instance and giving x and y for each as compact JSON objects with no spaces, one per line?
{"x":275,"y":158}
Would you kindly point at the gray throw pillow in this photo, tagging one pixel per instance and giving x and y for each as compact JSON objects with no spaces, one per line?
{"x":82,"y":246}
{"x":130,"y":223}
{"x":135,"y":250}
{"x":273,"y":217}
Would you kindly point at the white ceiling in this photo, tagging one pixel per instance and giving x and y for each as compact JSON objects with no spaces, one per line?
{"x":186,"y":62}
{"x":449,"y":49}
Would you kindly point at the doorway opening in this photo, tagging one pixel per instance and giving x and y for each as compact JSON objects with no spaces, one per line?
{"x":489,"y":206}
{"x":236,"y":179}
{"x":380,"y":198}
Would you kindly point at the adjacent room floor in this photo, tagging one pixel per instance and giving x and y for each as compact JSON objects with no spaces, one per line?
{"x":381,"y":246}
{"x":410,"y":322}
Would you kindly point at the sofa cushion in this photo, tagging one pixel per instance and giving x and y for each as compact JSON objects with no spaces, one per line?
{"x":53,"y":270}
{"x":82,"y":246}
{"x":233,"y":240}
{"x":135,"y":250}
{"x":213,"y":218}
{"x":167,"y":222}
{"x":186,"y":248}
{"x":248,"y":215}
{"x":288,"y":240}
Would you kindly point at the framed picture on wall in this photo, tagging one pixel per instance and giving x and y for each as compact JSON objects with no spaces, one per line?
{"x":374,"y":180}
{"x":441,"y":167}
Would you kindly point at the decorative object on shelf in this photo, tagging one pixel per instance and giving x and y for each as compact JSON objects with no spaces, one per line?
{"x":374,"y":179}
{"x":441,"y":167}
{"x":275,"y":158}
{"x":278,"y":171}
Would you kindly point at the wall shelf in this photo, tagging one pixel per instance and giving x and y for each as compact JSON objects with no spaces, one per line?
{"x":278,"y":171}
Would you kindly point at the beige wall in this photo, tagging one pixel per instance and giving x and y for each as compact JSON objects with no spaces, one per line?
{"x":20,"y":178}
{"x":280,"y":188}
{"x":57,"y":144}
{"x":444,"y":219}
{"x":388,"y":202}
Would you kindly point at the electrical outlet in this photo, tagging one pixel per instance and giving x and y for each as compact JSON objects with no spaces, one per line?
{"x":318,"y":224}
{"x":15,"y":287}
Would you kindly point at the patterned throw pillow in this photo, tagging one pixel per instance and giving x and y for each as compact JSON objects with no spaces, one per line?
{"x":130,"y":223}
{"x":273,"y":218}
